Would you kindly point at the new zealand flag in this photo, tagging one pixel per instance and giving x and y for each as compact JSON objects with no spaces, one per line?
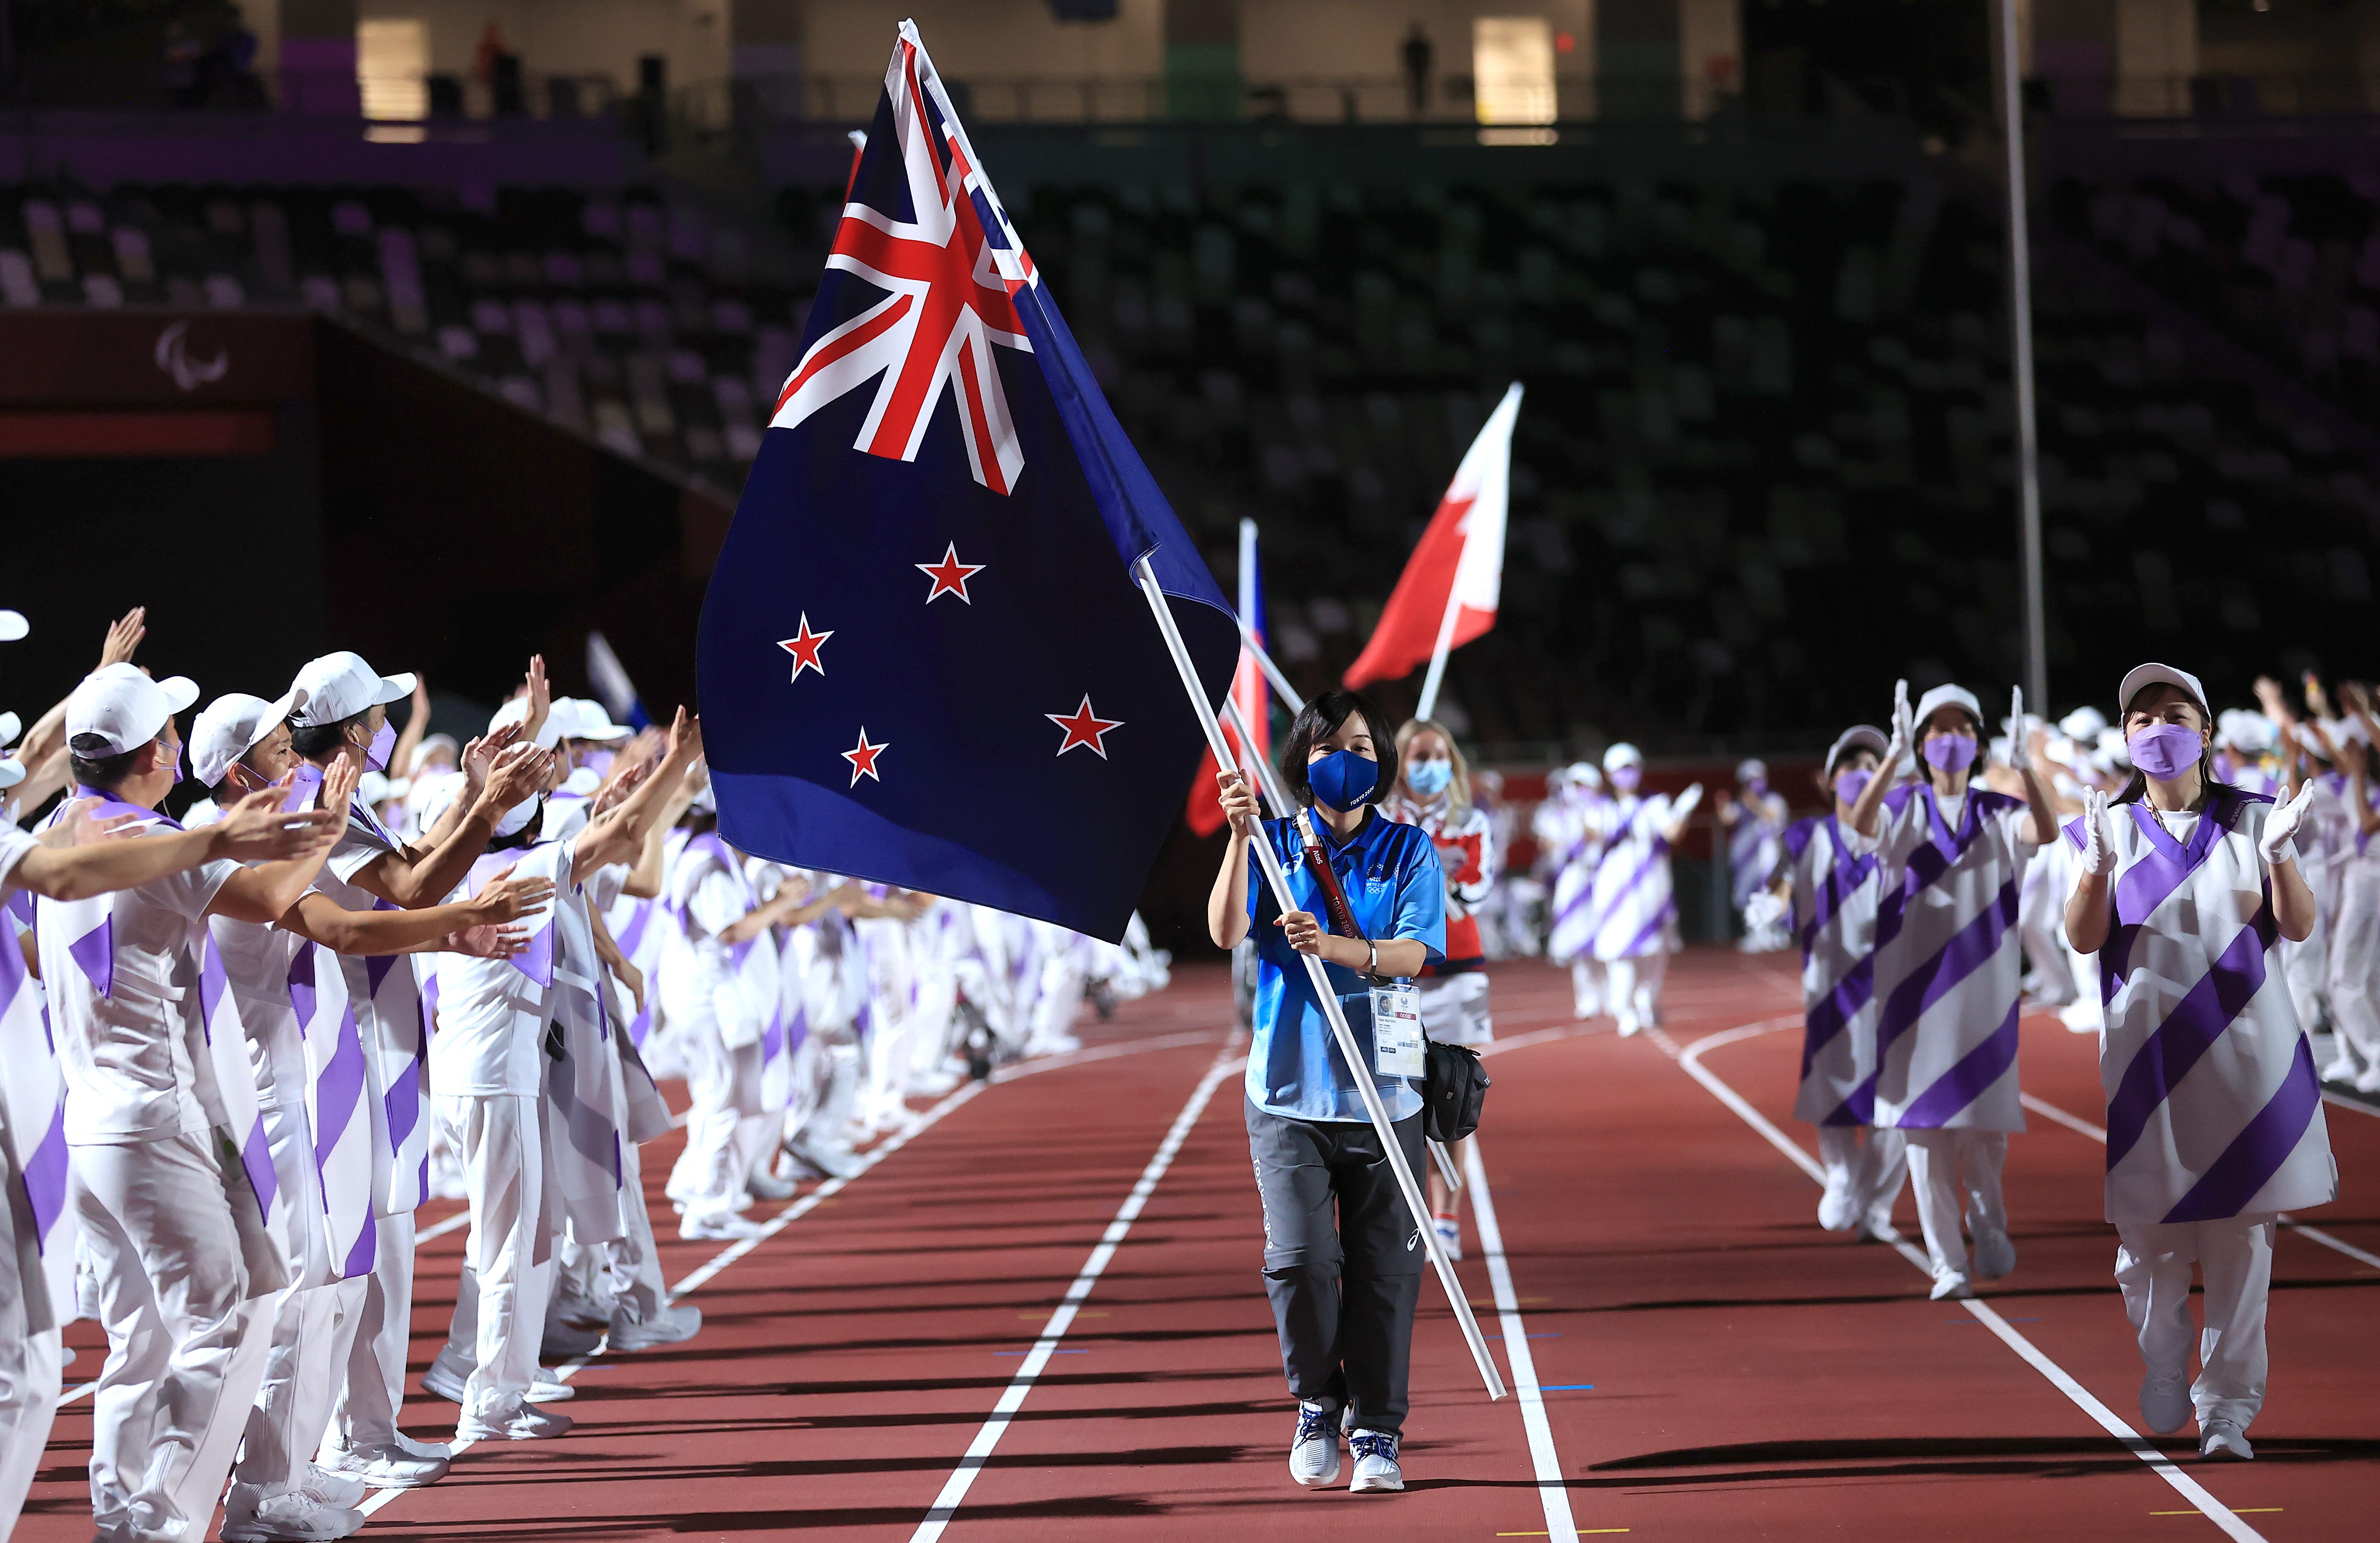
{"x":925,"y":659}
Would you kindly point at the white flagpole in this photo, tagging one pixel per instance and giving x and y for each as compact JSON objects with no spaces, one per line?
{"x":1278,"y":797}
{"x":1429,"y":682}
{"x":1340,"y":1033}
{"x":1280,"y":686}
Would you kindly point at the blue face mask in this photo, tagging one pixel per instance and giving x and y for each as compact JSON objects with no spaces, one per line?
{"x":1343,"y":779}
{"x":1429,"y":777}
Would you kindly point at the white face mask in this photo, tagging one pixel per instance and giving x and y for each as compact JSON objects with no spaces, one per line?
{"x":1429,"y":778}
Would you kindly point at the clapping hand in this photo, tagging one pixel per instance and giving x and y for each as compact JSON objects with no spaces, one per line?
{"x":2098,"y":835}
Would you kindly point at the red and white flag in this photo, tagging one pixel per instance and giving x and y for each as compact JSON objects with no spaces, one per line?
{"x":1459,"y":557}
{"x":1249,"y":693}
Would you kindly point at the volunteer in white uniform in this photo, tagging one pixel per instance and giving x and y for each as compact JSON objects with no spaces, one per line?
{"x":1948,"y":962}
{"x":344,"y":716}
{"x":240,"y":744}
{"x":76,"y":857}
{"x":1631,"y":907}
{"x":2351,"y":977}
{"x":174,"y":1234}
{"x":1755,"y":821}
{"x":1566,"y":827}
{"x":1433,"y":791}
{"x":1831,"y":893}
{"x":2215,"y":1118}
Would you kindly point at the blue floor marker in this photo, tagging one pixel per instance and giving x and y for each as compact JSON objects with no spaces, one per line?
{"x":1568,"y":1388}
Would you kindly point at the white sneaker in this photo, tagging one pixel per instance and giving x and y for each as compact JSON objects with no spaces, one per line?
{"x":1450,"y":1234}
{"x":674,"y":1324}
{"x":717,"y":1227}
{"x":445,"y":1379}
{"x":2369,"y":1082}
{"x":392,"y":1467}
{"x":2165,"y":1400}
{"x":1629,"y":1024}
{"x":252,"y":1516}
{"x":527,"y":1424}
{"x":831,"y":1160}
{"x":1835,"y":1210}
{"x":1313,"y":1451}
{"x":339,"y":1491}
{"x":1995,"y":1256}
{"x":2219,"y":1439}
{"x":546,"y":1387}
{"x":2341,"y":1070}
{"x":1952,"y":1285}
{"x":581,"y":1309}
{"x":768,"y":1186}
{"x":1375,"y":1462}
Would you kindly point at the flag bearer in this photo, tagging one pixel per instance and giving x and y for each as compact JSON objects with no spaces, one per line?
{"x":1342,"y":1285}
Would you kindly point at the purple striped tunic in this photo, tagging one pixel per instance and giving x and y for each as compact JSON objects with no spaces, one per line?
{"x":1632,"y":910}
{"x":2214,"y":1110}
{"x":1947,"y":962}
{"x":1834,"y":918}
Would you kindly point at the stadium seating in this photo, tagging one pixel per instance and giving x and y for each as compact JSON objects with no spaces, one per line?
{"x":1764,"y":465}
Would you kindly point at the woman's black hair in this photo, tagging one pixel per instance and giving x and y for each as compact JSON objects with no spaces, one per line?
{"x":1319,"y":721}
{"x":320,"y":741}
{"x":105,"y":772}
{"x":2209,"y":785}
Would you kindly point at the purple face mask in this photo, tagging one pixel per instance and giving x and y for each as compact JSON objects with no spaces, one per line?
{"x":376,"y":757}
{"x":1625,"y":778}
{"x":1850,"y":784}
{"x":1951,"y":752}
{"x":303,"y":786}
{"x":2163,"y":750}
{"x":599,"y":762}
{"x":181,"y":752}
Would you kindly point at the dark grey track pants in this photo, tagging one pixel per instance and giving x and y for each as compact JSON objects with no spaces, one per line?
{"x":1343,"y":1260}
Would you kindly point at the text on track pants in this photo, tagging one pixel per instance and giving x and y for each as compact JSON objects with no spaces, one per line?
{"x":1342,"y":1287}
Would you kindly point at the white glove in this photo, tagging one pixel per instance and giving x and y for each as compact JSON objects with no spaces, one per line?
{"x":1685,"y":803}
{"x":1905,"y":732}
{"x":2098,"y":837}
{"x":2279,"y":843}
{"x":2020,"y":732}
{"x":1763,"y":911}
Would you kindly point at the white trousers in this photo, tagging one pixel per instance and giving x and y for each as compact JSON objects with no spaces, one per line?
{"x":633,"y":1262}
{"x":28,"y":1364}
{"x":1634,"y":986}
{"x":709,"y":1178}
{"x":1864,"y":1169}
{"x":502,"y":1145}
{"x":1943,"y":1165}
{"x":373,"y":1390}
{"x":313,"y":1329}
{"x":2152,"y":1264}
{"x":1586,"y":986}
{"x":1454,"y":1008}
{"x":186,"y":1349}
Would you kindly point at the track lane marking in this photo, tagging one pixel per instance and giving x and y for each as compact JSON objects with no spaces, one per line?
{"x":955,"y":1489}
{"x":2048,"y":1111}
{"x":1690,"y":1057}
{"x":823,"y":1194}
{"x":1553,"y":1492}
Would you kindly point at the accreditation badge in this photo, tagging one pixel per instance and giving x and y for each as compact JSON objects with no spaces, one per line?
{"x":1396,"y":1029}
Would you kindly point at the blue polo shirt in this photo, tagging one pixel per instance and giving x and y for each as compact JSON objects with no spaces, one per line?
{"x":1396,"y":887}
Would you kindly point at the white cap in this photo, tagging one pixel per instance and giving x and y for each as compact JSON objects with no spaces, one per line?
{"x":124,"y":708}
{"x":2244,"y":730}
{"x":581,"y":782}
{"x":2145,"y":675}
{"x":2114,"y":749}
{"x":430,"y":744}
{"x":9,"y":728}
{"x":1623,"y":754}
{"x":1746,"y":769}
{"x":1859,"y":737}
{"x":230,"y":727}
{"x":581,"y":719}
{"x":338,"y":685}
{"x":13,"y":626}
{"x":2084,"y":724}
{"x":1948,"y":695}
{"x":518,"y":816}
{"x":517,"y":711}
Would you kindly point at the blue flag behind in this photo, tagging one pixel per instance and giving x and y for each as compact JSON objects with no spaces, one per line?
{"x":924,"y":656}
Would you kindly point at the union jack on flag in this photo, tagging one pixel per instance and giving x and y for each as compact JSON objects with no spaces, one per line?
{"x":923,"y":660}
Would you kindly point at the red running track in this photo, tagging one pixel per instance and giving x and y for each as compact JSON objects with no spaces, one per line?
{"x":1748,"y":1375}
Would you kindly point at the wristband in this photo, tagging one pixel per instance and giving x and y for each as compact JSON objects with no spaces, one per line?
{"x":1372,"y":964}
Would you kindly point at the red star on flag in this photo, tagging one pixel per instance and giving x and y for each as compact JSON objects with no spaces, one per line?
{"x":804,"y":647}
{"x":950,"y":574}
{"x":863,"y":759}
{"x":1085,"y":728}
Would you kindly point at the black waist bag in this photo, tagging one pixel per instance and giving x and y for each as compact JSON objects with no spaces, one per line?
{"x":1454,"y":1091}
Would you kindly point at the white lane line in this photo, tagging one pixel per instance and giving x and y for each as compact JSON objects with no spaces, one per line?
{"x":2138,"y":1445}
{"x":2314,"y":1235}
{"x":980,"y":1450}
{"x":1552,"y":1491}
{"x":917,"y":1127}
